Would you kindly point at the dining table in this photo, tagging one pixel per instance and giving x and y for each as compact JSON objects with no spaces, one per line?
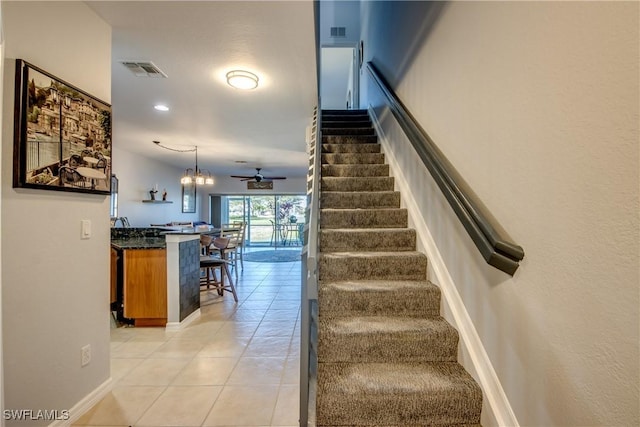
{"x":92,"y":174}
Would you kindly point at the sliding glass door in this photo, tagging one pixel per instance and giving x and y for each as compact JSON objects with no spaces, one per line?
{"x":273,"y":220}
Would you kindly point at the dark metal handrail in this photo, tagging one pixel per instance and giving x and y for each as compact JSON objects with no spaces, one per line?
{"x":496,"y":249}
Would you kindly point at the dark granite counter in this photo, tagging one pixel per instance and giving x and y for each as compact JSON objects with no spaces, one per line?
{"x":139,"y":243}
{"x":138,"y":238}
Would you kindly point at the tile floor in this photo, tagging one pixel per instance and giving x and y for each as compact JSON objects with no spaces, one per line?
{"x":237,"y":365}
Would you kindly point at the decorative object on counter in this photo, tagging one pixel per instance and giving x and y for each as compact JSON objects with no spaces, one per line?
{"x":51,"y":151}
{"x":152,"y":193}
{"x":123,"y":221}
{"x":195,"y":175}
{"x":164,"y":195}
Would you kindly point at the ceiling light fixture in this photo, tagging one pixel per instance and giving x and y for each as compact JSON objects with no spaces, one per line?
{"x":191,"y":175}
{"x":241,"y":79}
{"x":161,"y":107}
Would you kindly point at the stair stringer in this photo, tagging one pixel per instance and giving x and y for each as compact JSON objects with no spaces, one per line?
{"x":496,"y":409}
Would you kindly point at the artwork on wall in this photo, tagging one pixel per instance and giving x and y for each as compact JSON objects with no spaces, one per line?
{"x":189,"y":198}
{"x":262,"y":185}
{"x":62,"y":135}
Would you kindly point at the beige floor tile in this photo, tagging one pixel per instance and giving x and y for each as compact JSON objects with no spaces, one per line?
{"x":287,"y":410}
{"x":257,"y":370}
{"x":180,"y":406}
{"x":206,"y":371}
{"x":121,"y":367}
{"x":268,"y":346}
{"x":291,"y":374}
{"x":178,"y":348}
{"x":224,"y":346}
{"x":243,"y":406}
{"x":238,"y":329}
{"x":132,"y":349}
{"x":154,"y":372}
{"x":122,"y":406}
{"x":275,"y":328}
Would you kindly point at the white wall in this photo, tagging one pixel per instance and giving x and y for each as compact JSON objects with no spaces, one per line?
{"x":136,"y":176}
{"x":340,"y":13}
{"x":337,"y":74}
{"x":55,"y":287}
{"x":536,"y":105}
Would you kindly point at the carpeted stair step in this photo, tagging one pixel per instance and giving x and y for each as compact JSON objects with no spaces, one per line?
{"x":363,"y":218}
{"x":349,"y":139}
{"x":355,"y":170}
{"x":359,"y":199}
{"x":372,"y":183}
{"x":383,"y":338}
{"x":348,"y":131}
{"x":334,"y":123}
{"x":351,"y":148}
{"x":396,"y":394}
{"x":352,"y":158}
{"x":410,"y":298}
{"x":367,"y":239}
{"x":335,"y":266}
{"x":343,"y":113}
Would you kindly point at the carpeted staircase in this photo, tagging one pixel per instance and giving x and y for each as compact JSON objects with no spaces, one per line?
{"x":385,"y":356}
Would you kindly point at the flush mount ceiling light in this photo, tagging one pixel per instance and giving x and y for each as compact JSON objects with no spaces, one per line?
{"x":161,"y":107}
{"x":241,"y":79}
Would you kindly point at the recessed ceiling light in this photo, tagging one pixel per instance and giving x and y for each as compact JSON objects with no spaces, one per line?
{"x":161,"y":107}
{"x":241,"y":79}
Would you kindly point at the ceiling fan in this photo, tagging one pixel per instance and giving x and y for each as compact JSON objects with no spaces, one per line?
{"x":258,"y":177}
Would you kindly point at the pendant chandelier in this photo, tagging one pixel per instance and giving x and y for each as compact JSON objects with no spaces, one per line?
{"x":191,"y":175}
{"x":196,"y":175}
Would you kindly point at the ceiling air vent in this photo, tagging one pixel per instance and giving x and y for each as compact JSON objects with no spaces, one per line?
{"x":338,"y":31}
{"x":144,"y":69}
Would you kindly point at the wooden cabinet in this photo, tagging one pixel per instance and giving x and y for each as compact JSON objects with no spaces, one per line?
{"x":145,"y":286}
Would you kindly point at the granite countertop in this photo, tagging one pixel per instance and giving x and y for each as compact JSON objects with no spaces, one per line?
{"x":140,"y":243}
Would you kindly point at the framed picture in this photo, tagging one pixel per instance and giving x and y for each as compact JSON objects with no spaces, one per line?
{"x":189,"y":198}
{"x":62,"y":135}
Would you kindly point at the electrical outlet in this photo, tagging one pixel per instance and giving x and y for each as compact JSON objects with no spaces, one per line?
{"x":85,"y":353}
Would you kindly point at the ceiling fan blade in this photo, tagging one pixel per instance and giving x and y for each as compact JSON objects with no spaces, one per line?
{"x":241,"y":176}
{"x":274,"y":177}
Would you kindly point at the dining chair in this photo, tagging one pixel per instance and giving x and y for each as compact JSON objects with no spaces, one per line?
{"x":209,"y":263}
{"x":233,"y":252}
{"x":72,"y":177}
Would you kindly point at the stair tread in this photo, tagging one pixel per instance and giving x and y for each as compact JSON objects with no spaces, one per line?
{"x":368,"y":393}
{"x":378,"y":285}
{"x":359,"y":325}
{"x":369,"y":254}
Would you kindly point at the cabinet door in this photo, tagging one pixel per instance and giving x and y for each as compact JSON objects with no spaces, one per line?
{"x":145,"y":283}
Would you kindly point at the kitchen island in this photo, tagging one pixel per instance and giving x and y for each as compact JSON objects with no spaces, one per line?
{"x":155,"y":276}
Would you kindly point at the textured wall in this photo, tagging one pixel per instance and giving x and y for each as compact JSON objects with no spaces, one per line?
{"x":536,"y":105}
{"x":189,"y":265}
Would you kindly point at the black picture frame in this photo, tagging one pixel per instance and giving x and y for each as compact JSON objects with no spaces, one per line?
{"x":62,"y":135}
{"x":189,"y":198}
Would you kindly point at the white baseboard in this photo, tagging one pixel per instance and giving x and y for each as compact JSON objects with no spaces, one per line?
{"x":176,"y":326}
{"x":85,"y":404}
{"x":496,"y":400}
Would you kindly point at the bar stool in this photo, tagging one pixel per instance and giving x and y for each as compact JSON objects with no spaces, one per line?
{"x":210,"y":263}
